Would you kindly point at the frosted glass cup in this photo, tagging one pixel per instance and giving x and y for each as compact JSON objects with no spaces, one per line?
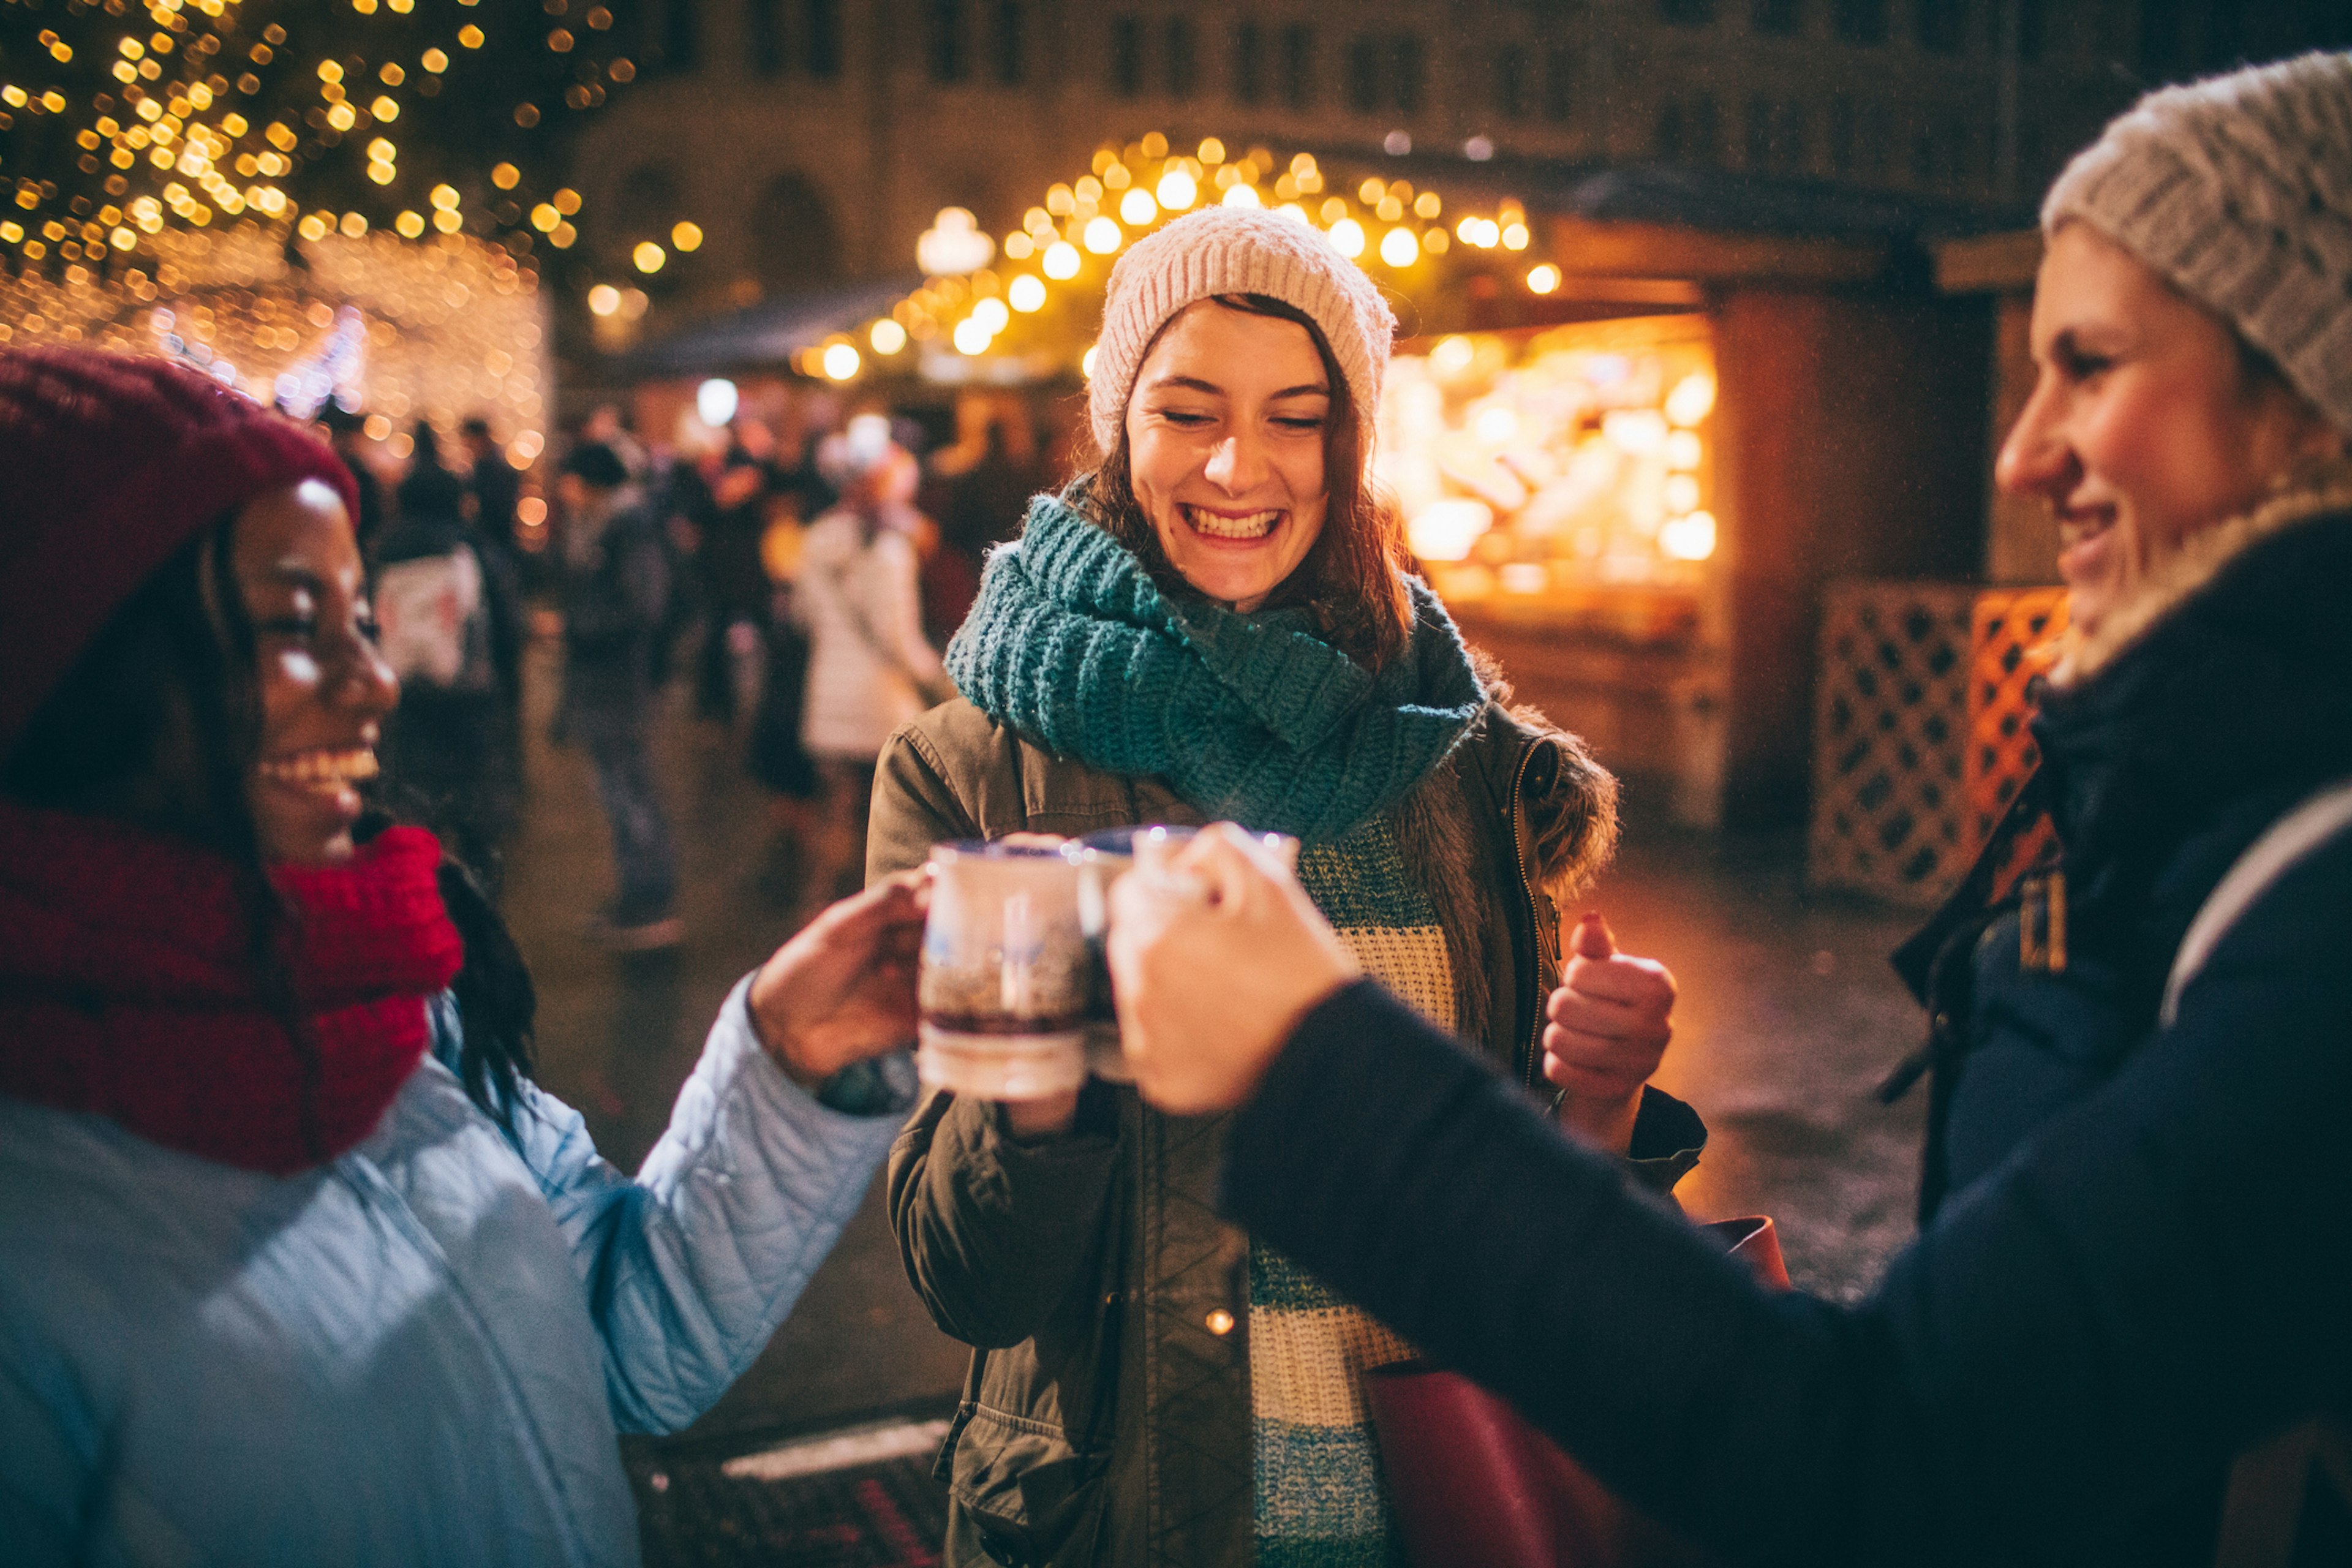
{"x":1104,"y":858}
{"x":1005,"y":974}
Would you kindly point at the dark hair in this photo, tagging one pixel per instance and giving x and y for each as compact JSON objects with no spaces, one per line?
{"x":1353,"y":580}
{"x":171,"y":679}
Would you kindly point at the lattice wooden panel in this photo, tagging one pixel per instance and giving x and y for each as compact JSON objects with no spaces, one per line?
{"x":1891,"y":707}
{"x":2015,"y":639}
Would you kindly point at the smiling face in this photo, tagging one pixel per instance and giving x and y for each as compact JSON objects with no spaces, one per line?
{"x":2145,"y":426}
{"x":1225,"y":437}
{"x":323,"y":686}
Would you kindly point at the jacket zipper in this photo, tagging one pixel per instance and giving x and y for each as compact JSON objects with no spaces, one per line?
{"x":1535,"y":917}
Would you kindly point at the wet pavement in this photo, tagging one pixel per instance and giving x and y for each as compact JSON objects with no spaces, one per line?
{"x":1789,"y":1019}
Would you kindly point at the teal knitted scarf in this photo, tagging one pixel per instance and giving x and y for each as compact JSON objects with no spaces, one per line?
{"x":1251,"y":717}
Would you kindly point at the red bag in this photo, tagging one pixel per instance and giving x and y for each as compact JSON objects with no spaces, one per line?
{"x":1476,"y":1487}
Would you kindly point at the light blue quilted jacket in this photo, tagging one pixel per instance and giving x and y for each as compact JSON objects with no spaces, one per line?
{"x":420,"y":1353}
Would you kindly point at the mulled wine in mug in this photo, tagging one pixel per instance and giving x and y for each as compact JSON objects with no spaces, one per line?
{"x":1105,"y":856}
{"x":1004,"y":980}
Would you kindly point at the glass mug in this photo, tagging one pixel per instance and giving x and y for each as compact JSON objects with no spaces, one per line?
{"x":1004,"y":981}
{"x":1105,"y":856}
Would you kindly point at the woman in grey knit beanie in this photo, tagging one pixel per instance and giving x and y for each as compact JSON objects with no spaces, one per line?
{"x":2192,"y":324}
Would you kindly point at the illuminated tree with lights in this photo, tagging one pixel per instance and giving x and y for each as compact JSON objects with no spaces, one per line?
{"x":122,"y":120}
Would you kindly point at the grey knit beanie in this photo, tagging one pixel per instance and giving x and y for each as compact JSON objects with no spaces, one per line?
{"x":1238,"y":250}
{"x":2238,"y":190}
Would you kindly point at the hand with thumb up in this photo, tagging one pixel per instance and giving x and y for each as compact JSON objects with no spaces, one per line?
{"x":1606,"y":1030}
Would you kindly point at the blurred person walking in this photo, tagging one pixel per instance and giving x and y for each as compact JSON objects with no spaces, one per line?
{"x":869,"y":668}
{"x":347,"y":434}
{"x":494,"y":488}
{"x":445,"y":610}
{"x":615,"y":585}
{"x":297,"y":1263}
{"x":734,"y":583}
{"x":2120,"y":1336}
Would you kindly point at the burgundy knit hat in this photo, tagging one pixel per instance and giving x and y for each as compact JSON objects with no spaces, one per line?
{"x":108,"y":465}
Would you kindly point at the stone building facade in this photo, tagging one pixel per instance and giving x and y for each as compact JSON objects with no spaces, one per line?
{"x":812,"y":140}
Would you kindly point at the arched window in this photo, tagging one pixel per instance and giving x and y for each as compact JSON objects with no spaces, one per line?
{"x":794,"y":242}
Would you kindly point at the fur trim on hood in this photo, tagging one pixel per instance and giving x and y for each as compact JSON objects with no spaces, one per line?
{"x":2323,"y":492}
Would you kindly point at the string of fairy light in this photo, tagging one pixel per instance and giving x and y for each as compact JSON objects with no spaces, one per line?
{"x":128,"y":118}
{"x":1065,"y":246}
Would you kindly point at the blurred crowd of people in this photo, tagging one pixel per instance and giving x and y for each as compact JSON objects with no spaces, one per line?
{"x":794,"y":572}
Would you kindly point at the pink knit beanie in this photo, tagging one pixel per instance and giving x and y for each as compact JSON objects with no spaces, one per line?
{"x":109,"y":463}
{"x":1238,"y":250}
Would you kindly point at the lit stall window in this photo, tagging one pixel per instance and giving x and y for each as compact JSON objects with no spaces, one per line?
{"x":1561,"y":475}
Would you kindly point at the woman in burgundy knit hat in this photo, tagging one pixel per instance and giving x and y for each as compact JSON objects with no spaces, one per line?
{"x":296,"y":1262}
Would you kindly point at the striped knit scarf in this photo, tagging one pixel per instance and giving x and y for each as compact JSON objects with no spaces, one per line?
{"x":1319,"y":1500}
{"x":1247,"y":717}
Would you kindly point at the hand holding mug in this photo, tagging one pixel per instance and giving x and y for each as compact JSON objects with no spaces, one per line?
{"x":1216,"y":953}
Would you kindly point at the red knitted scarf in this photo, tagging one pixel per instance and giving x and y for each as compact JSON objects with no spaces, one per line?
{"x":128,"y":987}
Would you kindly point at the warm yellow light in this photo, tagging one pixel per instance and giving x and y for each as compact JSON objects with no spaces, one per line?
{"x":313,"y":226}
{"x":470,"y":36}
{"x":1515,"y":237}
{"x":1682,"y":492}
{"x":1347,"y":238}
{"x":1019,"y":246}
{"x":1243,"y":196}
{"x":1103,"y":236}
{"x":1060,"y":260}
{"x":448,"y":221}
{"x":1688,"y":538}
{"x":380,"y":150}
{"x":561,"y":236}
{"x":384,"y":108}
{"x":410,"y":225}
{"x":1178,"y":190}
{"x":354,"y":224}
{"x":122,"y":239}
{"x":1137,"y":207}
{"x":1293,"y":210}
{"x":840,"y":362}
{"x":506,"y":176}
{"x":566,"y":200}
{"x":445,"y":197}
{"x":1155,"y":145}
{"x":1426,"y":205}
{"x":1692,"y":399}
{"x":1543,"y":280}
{"x":544,"y":219}
{"x":1213,"y":150}
{"x":382,"y":174}
{"x":604,"y":299}
{"x":1086,"y":365}
{"x":685,"y":237}
{"x":647,"y":257}
{"x":343,"y":117}
{"x":1446,"y":530}
{"x":329,"y":71}
{"x":1400,"y":248}
{"x":887,"y":336}
{"x":971,"y":337}
{"x":1371,"y":193}
{"x":1026,"y":292}
{"x":992,"y":314}
{"x":436,"y":61}
{"x":1684,"y":450}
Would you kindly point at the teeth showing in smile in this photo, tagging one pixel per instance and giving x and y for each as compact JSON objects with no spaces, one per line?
{"x":326,"y":772}
{"x":1256,"y":525}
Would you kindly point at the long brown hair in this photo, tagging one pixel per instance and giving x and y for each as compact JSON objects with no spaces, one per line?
{"x":1353,"y":580}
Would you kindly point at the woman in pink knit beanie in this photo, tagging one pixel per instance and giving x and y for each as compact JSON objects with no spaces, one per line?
{"x":1221,"y":619}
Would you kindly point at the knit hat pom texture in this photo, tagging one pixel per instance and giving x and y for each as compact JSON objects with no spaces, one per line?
{"x":2238,"y":191}
{"x":1238,"y":251}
